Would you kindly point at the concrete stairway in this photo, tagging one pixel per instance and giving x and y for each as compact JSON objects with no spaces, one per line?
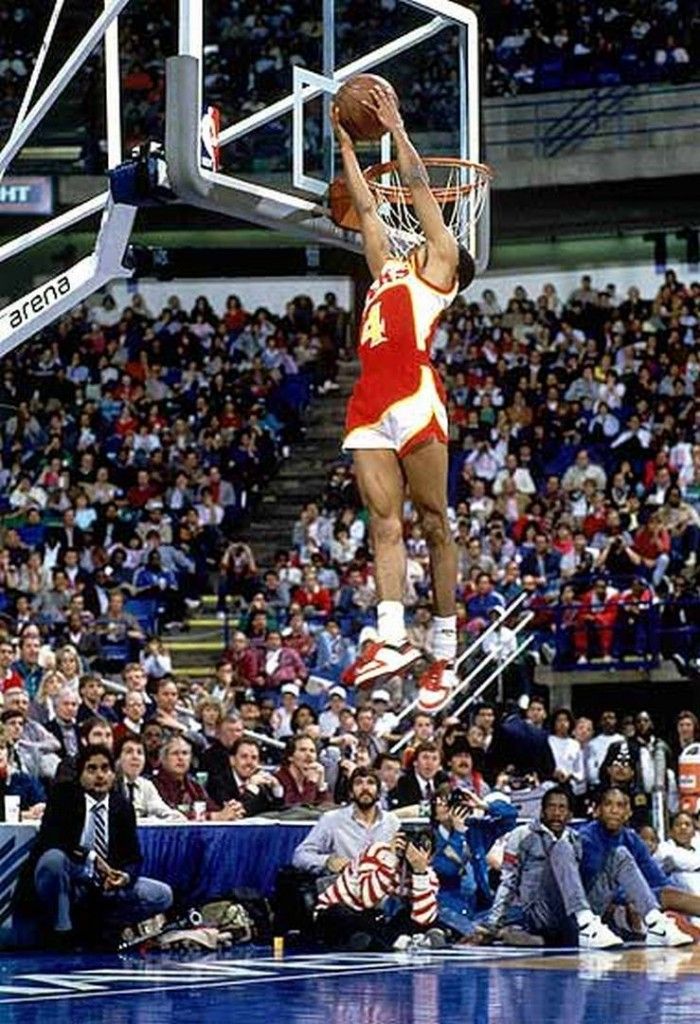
{"x":300,"y":479}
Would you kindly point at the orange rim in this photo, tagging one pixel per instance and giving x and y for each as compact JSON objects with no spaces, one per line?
{"x":443,"y":193}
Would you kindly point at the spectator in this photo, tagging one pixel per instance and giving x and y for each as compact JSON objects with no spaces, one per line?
{"x":181,"y":792}
{"x":246,"y":787}
{"x":140,"y":791}
{"x":340,"y":835}
{"x":301,"y":776}
{"x":69,"y":851}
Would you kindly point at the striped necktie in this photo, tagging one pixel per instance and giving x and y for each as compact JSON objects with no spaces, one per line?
{"x":99,"y":837}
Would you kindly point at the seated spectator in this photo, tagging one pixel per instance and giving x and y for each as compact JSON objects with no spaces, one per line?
{"x":14,"y":782}
{"x":173,"y":718}
{"x":281,"y":664}
{"x":246,"y":787}
{"x":245,"y":662}
{"x":64,"y":725}
{"x":181,"y":792}
{"x":595,"y":624}
{"x":282,"y":717}
{"x":567,"y":753}
{"x":134,"y":718}
{"x":348,"y":912}
{"x":465,"y":830}
{"x":420,"y":783}
{"x":91,"y":691}
{"x":31,"y":748}
{"x":636,"y":620}
{"x":42,"y":709}
{"x":79,"y":844}
{"x":651,"y":549}
{"x":140,"y":791}
{"x":542,"y":889}
{"x":387,"y":722}
{"x":613,"y":855}
{"x":343,"y":834}
{"x":329,"y":720}
{"x":153,"y":736}
{"x":301,"y":776}
{"x":121,"y":636}
{"x":459,"y":761}
{"x":209,"y":713}
{"x":27,"y":666}
{"x":677,"y":857}
{"x":333,"y":652}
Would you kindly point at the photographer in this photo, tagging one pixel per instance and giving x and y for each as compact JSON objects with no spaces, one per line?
{"x":465,"y":827}
{"x":384,"y":898}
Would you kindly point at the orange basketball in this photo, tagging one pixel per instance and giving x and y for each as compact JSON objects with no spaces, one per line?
{"x":358,"y":120}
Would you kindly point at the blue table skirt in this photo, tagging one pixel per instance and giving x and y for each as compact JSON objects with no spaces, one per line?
{"x":201,"y":861}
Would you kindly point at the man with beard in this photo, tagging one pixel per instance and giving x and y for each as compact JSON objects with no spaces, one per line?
{"x":341,"y":835}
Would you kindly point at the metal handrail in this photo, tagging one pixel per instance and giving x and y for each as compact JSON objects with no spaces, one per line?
{"x":474,"y":646}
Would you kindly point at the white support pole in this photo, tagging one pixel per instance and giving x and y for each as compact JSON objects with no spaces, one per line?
{"x":474,"y":646}
{"x":53,"y":227}
{"x":463,"y":683}
{"x":191,"y":22}
{"x":36,"y":71}
{"x":113,"y":92}
{"x":59,"y":83}
{"x":40,"y":307}
{"x":473,"y":697}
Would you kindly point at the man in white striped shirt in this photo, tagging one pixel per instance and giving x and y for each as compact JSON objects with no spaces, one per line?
{"x":382,"y":899}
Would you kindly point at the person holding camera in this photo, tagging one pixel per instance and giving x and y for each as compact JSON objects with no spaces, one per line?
{"x":384,"y":898}
{"x":465,"y":827}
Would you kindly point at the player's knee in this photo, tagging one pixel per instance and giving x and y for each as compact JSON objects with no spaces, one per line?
{"x":436,"y":528}
{"x":387,"y":530}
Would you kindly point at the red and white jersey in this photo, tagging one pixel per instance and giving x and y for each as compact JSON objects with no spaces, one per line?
{"x":399,"y":319}
{"x":376,"y":874}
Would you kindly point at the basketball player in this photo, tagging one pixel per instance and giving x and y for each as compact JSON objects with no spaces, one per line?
{"x":396,"y":419}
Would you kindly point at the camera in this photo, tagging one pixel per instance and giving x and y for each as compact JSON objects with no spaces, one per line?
{"x":421,"y":838}
{"x":458,"y":798}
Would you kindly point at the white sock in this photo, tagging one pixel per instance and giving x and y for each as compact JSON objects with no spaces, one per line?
{"x":445,"y":637}
{"x":654,"y":916}
{"x":584,"y":917}
{"x":390,"y":622}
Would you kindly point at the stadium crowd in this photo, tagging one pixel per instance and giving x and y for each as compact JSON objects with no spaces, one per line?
{"x":528,"y":47}
{"x":135,"y":442}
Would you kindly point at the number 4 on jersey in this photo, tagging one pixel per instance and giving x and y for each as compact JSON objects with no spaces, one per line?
{"x":374,"y":329}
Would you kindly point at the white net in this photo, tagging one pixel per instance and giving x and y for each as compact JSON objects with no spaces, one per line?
{"x":460,"y":188}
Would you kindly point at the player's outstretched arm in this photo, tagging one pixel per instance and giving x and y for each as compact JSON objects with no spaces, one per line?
{"x":414,"y":175}
{"x":374,"y":233}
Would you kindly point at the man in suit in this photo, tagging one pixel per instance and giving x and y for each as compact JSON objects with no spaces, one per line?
{"x":246,"y":783}
{"x":64,"y":726}
{"x":140,"y":792}
{"x":87,"y":855}
{"x":418,"y":785}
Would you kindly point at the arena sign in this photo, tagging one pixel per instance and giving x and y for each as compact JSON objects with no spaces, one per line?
{"x":26,"y":196}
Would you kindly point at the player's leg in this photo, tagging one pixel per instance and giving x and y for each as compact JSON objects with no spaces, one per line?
{"x":381,"y":484}
{"x":426,"y":473}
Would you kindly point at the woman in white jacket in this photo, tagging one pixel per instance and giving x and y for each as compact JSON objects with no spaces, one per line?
{"x":678,"y":857}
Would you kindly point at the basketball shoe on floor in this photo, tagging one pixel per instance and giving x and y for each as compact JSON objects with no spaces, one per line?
{"x":435,"y":687}
{"x":384,"y":659}
{"x":593,"y":934}
{"x":662,"y":930}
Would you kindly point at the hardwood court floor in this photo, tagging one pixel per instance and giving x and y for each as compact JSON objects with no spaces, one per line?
{"x":497,"y":986}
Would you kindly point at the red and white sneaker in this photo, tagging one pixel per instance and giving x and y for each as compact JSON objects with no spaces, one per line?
{"x":384,"y":659}
{"x":435,"y":687}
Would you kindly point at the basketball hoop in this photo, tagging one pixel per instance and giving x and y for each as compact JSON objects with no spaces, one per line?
{"x":460,"y":187}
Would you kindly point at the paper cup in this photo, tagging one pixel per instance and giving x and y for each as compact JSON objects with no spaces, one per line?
{"x":12,"y":810}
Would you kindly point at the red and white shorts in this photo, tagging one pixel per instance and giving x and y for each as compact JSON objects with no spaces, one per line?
{"x":405,"y":423}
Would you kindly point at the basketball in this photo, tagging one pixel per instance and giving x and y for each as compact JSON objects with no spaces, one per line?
{"x":358,"y":120}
